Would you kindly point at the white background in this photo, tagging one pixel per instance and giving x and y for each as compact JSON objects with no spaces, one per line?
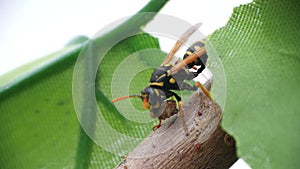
{"x":30,"y":29}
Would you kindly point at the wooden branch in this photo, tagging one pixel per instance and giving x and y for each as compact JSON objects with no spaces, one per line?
{"x":206,"y":146}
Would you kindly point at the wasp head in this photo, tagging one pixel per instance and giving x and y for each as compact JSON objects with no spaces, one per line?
{"x":153,"y":99}
{"x":145,"y":93}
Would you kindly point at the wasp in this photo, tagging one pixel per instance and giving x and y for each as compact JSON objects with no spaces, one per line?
{"x":159,"y":96}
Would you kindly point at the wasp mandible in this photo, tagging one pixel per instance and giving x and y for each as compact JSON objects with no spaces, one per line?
{"x":158,"y":96}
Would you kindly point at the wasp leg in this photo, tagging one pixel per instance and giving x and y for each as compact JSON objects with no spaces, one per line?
{"x":182,"y":119}
{"x":205,"y":91}
{"x":157,"y":126}
{"x":195,"y":87}
{"x":181,"y":113}
{"x":186,"y":86}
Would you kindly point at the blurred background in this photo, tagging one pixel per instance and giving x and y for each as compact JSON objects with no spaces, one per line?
{"x":30,"y":29}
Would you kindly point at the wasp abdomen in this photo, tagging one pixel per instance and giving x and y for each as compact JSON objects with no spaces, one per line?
{"x":201,"y":60}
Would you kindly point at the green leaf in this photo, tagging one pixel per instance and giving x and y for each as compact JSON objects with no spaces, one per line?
{"x":77,"y":39}
{"x":40,"y":128}
{"x":259,"y":48}
{"x":128,"y":69}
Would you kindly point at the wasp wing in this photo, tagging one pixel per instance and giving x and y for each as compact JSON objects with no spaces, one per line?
{"x":180,"y":42}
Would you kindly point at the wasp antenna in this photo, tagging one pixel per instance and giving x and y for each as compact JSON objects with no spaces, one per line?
{"x":125,"y":97}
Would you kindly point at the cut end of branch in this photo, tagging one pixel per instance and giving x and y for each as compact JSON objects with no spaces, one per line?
{"x":206,"y":146}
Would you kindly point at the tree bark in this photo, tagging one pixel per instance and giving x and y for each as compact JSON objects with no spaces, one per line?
{"x":206,"y":146}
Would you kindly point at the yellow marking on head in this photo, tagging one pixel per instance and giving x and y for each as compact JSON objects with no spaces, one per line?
{"x":157,"y":105}
{"x":146,"y":105}
{"x":197,"y":48}
{"x":172,"y":81}
{"x":156,"y":92}
{"x":157,"y":84}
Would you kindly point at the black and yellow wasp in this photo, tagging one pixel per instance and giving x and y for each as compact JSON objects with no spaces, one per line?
{"x":168,"y":77}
